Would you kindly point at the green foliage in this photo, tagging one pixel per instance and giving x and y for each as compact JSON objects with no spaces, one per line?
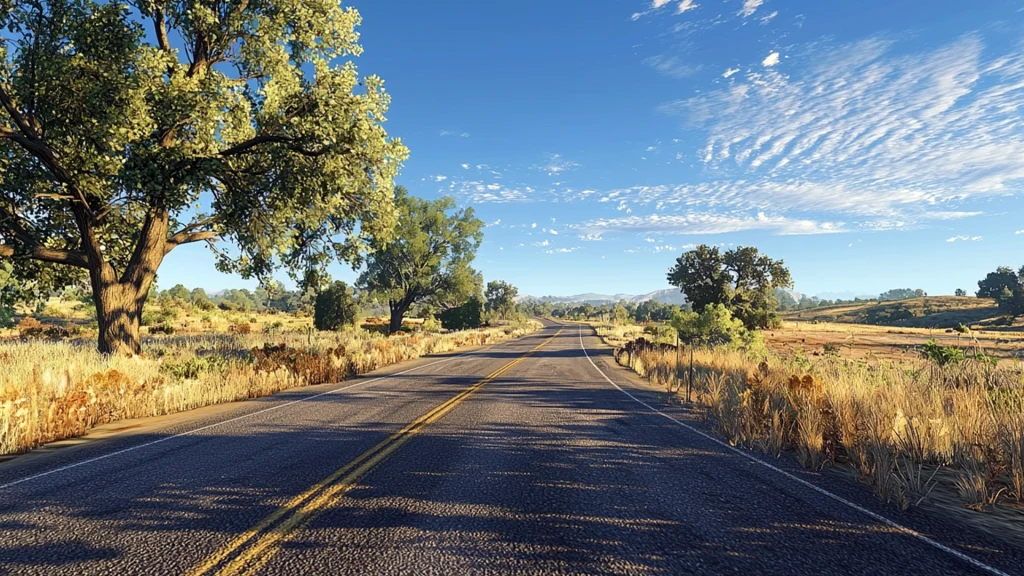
{"x":501,"y":298}
{"x":334,"y":308}
{"x":960,"y":292}
{"x":946,"y":355}
{"x":464,"y":317}
{"x":1006,"y":287}
{"x":902,"y":294}
{"x":196,"y":365}
{"x":179,"y":293}
{"x":742,"y":279}
{"x":119,"y":119}
{"x":712,"y":326}
{"x":429,"y":259}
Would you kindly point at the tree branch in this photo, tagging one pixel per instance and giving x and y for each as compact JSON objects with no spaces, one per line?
{"x":37,"y":252}
{"x":187,"y":238}
{"x":248,"y":145}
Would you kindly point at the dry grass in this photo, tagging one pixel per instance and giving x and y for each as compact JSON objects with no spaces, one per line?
{"x":55,"y":390}
{"x":894,"y":422}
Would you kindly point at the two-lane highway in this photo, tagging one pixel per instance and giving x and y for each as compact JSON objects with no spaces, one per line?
{"x":534,"y":456}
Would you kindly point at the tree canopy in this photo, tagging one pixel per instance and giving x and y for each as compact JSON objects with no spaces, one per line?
{"x":741,"y":279}
{"x":1006,"y":287}
{"x":428,"y":260}
{"x":501,"y":298}
{"x":242,"y":120}
{"x":334,"y":308}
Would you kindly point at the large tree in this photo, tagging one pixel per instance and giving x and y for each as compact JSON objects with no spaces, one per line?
{"x":742,"y":279}
{"x":241,"y":120}
{"x":427,"y":261}
{"x":1006,"y":287}
{"x":501,"y":298}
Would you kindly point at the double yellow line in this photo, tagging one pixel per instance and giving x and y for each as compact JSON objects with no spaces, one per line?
{"x":256,"y":546}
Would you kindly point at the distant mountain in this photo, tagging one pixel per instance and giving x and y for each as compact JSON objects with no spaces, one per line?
{"x":666,"y":296}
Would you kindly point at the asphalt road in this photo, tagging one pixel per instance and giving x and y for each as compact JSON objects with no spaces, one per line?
{"x":535,"y":456}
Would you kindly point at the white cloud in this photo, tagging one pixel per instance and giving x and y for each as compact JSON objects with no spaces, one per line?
{"x":554,"y":232}
{"x":439,"y":178}
{"x":964,"y":239}
{"x":542,"y":243}
{"x":464,"y":135}
{"x":556,"y":165}
{"x":465,"y":166}
{"x":770,"y":60}
{"x":750,"y":6}
{"x":896,"y":139}
{"x":672,"y":66}
{"x":495,"y":223}
{"x":706,"y":223}
{"x":534,"y":225}
{"x":766,"y":19}
{"x":729,"y":72}
{"x":659,"y":3}
{"x":1019,"y":232}
{"x":686,"y":6}
{"x":563,"y":250}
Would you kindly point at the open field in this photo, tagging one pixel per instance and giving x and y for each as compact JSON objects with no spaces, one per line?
{"x":939,"y":312}
{"x":913,"y":430}
{"x":868,"y":342}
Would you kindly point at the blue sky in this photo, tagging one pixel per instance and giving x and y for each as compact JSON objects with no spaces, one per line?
{"x":870,"y":144}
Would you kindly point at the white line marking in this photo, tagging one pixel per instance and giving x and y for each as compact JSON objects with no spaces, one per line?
{"x":840,"y":499}
{"x":230,"y":420}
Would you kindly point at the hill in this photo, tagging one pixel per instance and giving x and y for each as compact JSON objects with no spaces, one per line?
{"x":666,"y":296}
{"x":927,"y":312}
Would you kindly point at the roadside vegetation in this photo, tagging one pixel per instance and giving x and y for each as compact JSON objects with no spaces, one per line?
{"x":945,"y":420}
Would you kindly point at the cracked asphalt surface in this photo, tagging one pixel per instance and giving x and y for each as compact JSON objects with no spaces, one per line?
{"x":546,"y":469}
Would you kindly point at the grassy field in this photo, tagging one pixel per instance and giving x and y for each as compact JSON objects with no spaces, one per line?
{"x":911,"y":429}
{"x":52,"y":389}
{"x":929,"y":312}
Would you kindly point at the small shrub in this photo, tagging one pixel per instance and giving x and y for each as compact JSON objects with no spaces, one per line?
{"x":240,"y":328}
{"x":334,"y":308}
{"x":164,"y":328}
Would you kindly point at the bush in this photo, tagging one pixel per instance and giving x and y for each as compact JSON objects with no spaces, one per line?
{"x":713,"y":326}
{"x":6,"y":317}
{"x":467,"y":316}
{"x":163,"y":328}
{"x":431,"y":324}
{"x":240,"y":328}
{"x":334,"y":308}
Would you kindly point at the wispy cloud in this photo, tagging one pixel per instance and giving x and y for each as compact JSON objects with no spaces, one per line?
{"x":770,"y":60}
{"x":556,"y":165}
{"x":686,"y":6}
{"x":964,"y":239}
{"x":672,"y":66}
{"x":863,"y":131}
{"x":562,"y":250}
{"x":729,"y":72}
{"x":750,"y":6}
{"x":706,"y":223}
{"x":454,"y":133}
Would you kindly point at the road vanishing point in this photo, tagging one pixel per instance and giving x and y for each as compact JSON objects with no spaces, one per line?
{"x":534,"y":456}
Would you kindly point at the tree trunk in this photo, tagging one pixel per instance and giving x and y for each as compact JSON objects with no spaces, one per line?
{"x":119,"y":301}
{"x":119,"y":312}
{"x":397,"y":315}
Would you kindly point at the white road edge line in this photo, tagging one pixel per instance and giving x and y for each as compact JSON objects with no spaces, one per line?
{"x":230,"y":420}
{"x":877,"y":517}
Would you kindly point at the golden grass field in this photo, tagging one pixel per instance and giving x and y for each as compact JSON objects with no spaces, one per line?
{"x":918,"y":433}
{"x":50,"y":390}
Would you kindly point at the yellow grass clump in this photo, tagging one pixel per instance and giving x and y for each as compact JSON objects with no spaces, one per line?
{"x":897,"y":423}
{"x":55,"y":390}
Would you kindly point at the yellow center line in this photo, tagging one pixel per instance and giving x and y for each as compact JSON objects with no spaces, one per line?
{"x":238,"y":558}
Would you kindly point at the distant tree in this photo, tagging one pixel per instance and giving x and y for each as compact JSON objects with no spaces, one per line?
{"x":116,"y":118}
{"x":1006,"y":287}
{"x":465,"y":316}
{"x":334,"y":308}
{"x":197,"y":295}
{"x":178,"y":293}
{"x":428,"y":259}
{"x":960,"y":292}
{"x":620,"y":314}
{"x":902,"y":294}
{"x":742,"y":280}
{"x":501,"y":298}
{"x":992,"y":286}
